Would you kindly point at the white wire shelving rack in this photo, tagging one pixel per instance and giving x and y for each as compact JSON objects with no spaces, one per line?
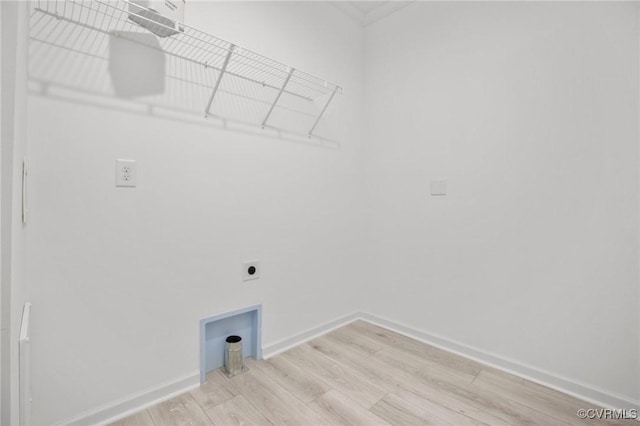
{"x":198,"y":47}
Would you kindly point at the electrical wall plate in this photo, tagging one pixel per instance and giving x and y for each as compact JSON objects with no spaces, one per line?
{"x":438,"y":187}
{"x":250,"y":270}
{"x":126,"y":173}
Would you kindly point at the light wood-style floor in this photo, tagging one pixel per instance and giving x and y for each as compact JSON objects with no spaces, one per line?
{"x":362,"y":374}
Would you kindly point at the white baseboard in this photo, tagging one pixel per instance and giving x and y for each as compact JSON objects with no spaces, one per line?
{"x":131,"y":404}
{"x":587,"y":393}
{"x":149,"y":397}
{"x":309,"y":334}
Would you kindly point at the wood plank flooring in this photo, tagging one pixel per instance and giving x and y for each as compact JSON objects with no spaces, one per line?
{"x":362,"y":374}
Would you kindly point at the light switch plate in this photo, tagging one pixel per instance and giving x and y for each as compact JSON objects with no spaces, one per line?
{"x":126,"y":173}
{"x":438,"y":187}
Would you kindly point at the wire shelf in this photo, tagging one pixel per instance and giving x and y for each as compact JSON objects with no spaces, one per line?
{"x":115,"y":17}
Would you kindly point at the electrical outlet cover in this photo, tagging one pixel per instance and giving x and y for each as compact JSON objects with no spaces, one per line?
{"x":126,"y":173}
{"x":250,"y":270}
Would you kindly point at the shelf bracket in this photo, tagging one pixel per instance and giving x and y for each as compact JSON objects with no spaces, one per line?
{"x":217,"y":85}
{"x":326,"y":105}
{"x":275,"y":101}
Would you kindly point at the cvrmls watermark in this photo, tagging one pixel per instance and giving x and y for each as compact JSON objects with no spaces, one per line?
{"x":607,"y":413}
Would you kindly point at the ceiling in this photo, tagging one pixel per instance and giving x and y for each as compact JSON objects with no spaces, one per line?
{"x":367,"y":12}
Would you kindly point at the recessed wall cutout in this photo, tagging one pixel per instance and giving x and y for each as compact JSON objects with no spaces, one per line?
{"x":244,"y":323}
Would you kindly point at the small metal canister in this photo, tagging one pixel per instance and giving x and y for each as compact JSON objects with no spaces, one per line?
{"x":233,"y":361}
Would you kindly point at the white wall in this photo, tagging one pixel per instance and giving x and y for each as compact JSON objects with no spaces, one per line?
{"x":531,"y":113}
{"x":121,"y":277}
